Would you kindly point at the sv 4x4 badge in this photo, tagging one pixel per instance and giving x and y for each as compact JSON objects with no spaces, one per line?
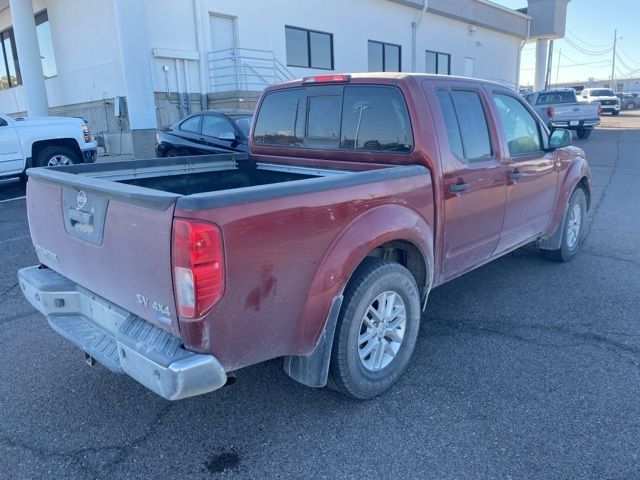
{"x":162,"y":310}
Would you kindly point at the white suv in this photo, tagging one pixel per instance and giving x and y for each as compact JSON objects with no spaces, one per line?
{"x":607,"y":99}
{"x":43,"y":141}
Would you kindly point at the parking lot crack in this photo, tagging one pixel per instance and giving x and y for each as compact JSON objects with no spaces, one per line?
{"x":596,"y":208}
{"x":79,"y":456}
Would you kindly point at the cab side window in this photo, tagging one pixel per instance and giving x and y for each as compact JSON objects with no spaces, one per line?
{"x":466,"y":124}
{"x":520,"y":127}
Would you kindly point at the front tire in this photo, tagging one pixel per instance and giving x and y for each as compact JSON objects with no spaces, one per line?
{"x":584,"y":133}
{"x":631,"y":106}
{"x":573,"y":228}
{"x":376,"y":330}
{"x":615,"y":113}
{"x":55,"y":156}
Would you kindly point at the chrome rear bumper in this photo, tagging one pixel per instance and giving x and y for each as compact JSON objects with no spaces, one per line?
{"x":120,"y":341}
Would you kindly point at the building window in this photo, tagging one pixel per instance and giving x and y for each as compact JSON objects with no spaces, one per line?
{"x":308,"y":48}
{"x":384,"y":57}
{"x":46,"y":45}
{"x":437,"y":62}
{"x":10,"y":69}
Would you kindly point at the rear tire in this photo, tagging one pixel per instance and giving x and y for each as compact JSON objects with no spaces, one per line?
{"x":573,"y":228}
{"x":55,"y":156}
{"x":631,"y":106}
{"x":376,"y":330}
{"x":584,"y":132}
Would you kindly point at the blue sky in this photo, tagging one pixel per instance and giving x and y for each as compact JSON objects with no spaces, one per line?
{"x":586,"y":51}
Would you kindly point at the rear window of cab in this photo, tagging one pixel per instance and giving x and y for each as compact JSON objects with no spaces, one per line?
{"x":336,"y":117}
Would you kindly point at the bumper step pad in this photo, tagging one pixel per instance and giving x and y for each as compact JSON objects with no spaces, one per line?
{"x":90,"y":338}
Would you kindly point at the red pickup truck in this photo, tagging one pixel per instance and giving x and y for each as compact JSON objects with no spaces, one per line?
{"x":359,"y":195}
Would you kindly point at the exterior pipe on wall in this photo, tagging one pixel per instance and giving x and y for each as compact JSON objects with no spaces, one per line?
{"x":187,"y":89}
{"x":179,"y":87}
{"x":202,"y":62}
{"x":414,"y":35}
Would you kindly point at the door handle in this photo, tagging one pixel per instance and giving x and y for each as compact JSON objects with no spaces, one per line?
{"x":515,"y":175}
{"x":459,"y":187}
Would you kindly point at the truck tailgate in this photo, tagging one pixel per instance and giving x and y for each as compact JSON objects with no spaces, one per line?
{"x":575,"y":112}
{"x":118,"y":248}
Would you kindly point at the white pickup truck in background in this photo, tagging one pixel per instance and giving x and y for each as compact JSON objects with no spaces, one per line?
{"x":43,"y":141}
{"x":560,"y":108}
{"x":603,"y":96}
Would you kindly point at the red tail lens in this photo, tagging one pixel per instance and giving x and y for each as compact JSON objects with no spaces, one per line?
{"x":198,"y":266}
{"x":329,"y":78}
{"x":549,"y":112}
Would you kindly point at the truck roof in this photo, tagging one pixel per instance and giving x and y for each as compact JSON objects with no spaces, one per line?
{"x":377,"y":77}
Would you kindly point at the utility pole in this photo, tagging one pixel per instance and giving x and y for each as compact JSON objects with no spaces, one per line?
{"x":547,"y":77}
{"x":558,"y":69}
{"x":613,"y":61}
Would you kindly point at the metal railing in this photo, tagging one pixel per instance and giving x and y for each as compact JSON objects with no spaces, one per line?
{"x":244,"y":69}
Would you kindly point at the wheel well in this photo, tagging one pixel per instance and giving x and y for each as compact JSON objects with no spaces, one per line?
{"x":584,"y":184}
{"x":69,"y":143}
{"x":407,"y":255}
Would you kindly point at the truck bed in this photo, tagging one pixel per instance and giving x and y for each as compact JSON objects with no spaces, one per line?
{"x":107,"y":227}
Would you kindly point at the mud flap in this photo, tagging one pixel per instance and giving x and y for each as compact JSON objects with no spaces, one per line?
{"x":313,"y":370}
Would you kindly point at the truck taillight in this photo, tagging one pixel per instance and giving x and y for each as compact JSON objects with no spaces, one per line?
{"x":198,"y":266}
{"x":549,"y":112}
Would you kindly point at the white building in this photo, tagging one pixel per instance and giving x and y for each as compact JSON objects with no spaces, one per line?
{"x":129,"y":65}
{"x":626,"y":85}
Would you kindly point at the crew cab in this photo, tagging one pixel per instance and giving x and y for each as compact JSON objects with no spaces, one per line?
{"x":43,"y":141}
{"x":608,"y":101}
{"x":561,"y":109}
{"x":361,"y":193}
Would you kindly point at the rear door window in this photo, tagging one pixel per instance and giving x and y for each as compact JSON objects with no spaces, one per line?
{"x":466,"y":124}
{"x":215,"y":125}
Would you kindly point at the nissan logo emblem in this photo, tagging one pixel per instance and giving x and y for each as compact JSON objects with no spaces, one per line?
{"x":81,"y":199}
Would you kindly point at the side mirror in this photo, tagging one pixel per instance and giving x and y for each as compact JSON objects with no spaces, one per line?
{"x":228,"y":136}
{"x":560,"y":138}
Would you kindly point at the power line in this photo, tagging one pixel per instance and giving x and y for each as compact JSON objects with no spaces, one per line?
{"x":588,"y":52}
{"x":575,"y":62}
{"x":629,"y":59}
{"x":578,"y":39}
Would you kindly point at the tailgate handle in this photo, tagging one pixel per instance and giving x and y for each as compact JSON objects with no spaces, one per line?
{"x":78,"y":216}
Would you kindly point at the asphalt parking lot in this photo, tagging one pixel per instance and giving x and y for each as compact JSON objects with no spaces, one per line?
{"x":524,"y":369}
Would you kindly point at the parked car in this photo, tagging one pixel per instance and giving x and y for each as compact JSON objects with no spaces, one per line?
{"x":605,"y":97}
{"x":43,"y":141}
{"x":629,"y":101}
{"x":560,"y":109}
{"x":359,"y":195}
{"x":210,"y":131}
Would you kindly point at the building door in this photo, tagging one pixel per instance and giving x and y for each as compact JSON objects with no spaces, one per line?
{"x":224,"y":62}
{"x":469,"y":67}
